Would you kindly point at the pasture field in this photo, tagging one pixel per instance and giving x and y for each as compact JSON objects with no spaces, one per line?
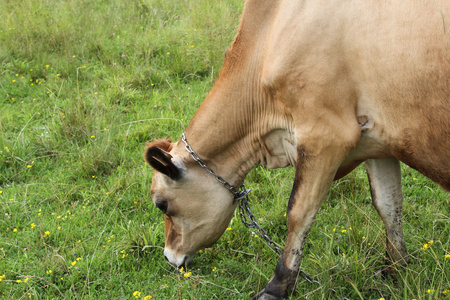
{"x":83,"y":86}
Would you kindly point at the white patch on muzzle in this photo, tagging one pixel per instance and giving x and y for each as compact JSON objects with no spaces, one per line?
{"x":177,"y":260}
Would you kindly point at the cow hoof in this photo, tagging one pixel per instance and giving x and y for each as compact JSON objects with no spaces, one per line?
{"x":264,"y":296}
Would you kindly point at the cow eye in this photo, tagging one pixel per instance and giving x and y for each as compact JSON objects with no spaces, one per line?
{"x":162,"y":205}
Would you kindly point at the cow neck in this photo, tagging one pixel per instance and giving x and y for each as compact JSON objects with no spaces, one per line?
{"x":227,"y":130}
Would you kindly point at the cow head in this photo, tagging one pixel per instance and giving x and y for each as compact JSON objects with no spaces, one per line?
{"x":197,"y":209}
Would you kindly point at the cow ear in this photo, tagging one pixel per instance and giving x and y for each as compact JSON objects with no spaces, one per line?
{"x":161,"y":161}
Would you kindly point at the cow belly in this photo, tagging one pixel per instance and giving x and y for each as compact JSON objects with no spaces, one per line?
{"x":411,"y":120}
{"x":412,"y":126}
{"x":426,"y":150}
{"x":370,"y":146}
{"x":414,"y":130}
{"x":410,"y":111}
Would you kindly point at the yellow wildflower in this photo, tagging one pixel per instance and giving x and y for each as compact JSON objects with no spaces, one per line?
{"x":136,"y":294}
{"x":15,"y":230}
{"x":47,"y":233}
{"x":32,"y":225}
{"x":187,"y":275}
{"x":2,"y":277}
{"x":447,"y":255}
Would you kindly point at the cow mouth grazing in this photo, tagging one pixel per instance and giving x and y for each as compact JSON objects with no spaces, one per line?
{"x":178,"y":260}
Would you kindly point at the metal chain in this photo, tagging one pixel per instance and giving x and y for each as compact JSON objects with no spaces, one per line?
{"x":246,"y":215}
{"x":249,"y":220}
{"x":203,"y":165}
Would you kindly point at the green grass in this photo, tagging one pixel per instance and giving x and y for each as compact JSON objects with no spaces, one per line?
{"x":83,"y":86}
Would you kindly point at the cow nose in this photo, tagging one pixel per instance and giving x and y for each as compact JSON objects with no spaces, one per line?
{"x":177,"y":260}
{"x":180,"y":264}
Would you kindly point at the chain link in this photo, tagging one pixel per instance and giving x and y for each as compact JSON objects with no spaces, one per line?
{"x":203,"y":165}
{"x":241,"y":195}
{"x":246,"y":215}
{"x":249,"y":220}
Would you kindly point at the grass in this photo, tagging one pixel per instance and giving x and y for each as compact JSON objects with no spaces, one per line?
{"x":83,"y":86}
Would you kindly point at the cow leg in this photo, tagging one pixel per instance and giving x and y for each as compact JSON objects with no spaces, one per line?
{"x":311,"y":184}
{"x":385,"y":186}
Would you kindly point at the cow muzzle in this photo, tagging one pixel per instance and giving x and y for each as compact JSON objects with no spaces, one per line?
{"x":177,"y":260}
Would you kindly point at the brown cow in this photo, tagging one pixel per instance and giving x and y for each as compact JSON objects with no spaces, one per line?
{"x":321,"y":86}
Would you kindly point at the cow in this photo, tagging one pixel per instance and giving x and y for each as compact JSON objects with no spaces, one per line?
{"x":322,"y":86}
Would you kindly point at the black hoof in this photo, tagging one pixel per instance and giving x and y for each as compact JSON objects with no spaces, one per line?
{"x":264,"y":296}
